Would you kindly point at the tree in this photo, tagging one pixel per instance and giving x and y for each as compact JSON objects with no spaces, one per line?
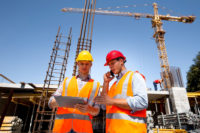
{"x":193,"y":75}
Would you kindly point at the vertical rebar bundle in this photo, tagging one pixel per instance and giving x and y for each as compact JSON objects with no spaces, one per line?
{"x":85,"y":38}
{"x":176,"y":77}
{"x":55,"y":74}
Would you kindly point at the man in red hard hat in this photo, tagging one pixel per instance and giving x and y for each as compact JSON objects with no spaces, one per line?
{"x":155,"y":82}
{"x":126,"y":101}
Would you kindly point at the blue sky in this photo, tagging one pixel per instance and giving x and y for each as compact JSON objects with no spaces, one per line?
{"x":28,"y":29}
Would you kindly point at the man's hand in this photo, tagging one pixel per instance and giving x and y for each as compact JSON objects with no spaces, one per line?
{"x":107,"y":77}
{"x":53,"y":103}
{"x":84,"y":108}
{"x":104,"y":99}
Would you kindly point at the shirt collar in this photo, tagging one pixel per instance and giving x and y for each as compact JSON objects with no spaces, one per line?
{"x":119,"y":76}
{"x":83,"y":78}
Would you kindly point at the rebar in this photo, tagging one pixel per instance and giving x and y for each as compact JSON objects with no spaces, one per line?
{"x":55,"y":75}
{"x":87,"y":22}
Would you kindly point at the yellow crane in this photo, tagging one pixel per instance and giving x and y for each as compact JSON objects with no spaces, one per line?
{"x":159,"y":33}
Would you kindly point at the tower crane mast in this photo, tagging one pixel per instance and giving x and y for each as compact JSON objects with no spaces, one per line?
{"x":159,"y":33}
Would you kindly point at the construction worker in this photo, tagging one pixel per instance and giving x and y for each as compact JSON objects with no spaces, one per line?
{"x":126,"y":100}
{"x":155,"y":82}
{"x":77,"y":119}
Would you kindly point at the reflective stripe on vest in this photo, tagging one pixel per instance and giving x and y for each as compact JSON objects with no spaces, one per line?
{"x":123,"y":95}
{"x":125,"y":117}
{"x":92,"y":93}
{"x":72,"y":116}
{"x":66,"y":85}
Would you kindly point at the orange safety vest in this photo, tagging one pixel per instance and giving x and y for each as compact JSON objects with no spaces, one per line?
{"x":120,"y":120}
{"x":68,"y":119}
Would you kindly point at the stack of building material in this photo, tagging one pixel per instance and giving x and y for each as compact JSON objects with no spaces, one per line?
{"x":11,"y":124}
{"x":179,"y":120}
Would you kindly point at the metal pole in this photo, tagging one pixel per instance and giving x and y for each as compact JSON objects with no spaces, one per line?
{"x":156,"y":106}
{"x":15,"y":109}
{"x":26,"y":119}
{"x":179,"y":122}
{"x":196,"y":106}
{"x":29,"y":131}
{"x":7,"y":78}
{"x":85,"y":25}
{"x":163,"y":119}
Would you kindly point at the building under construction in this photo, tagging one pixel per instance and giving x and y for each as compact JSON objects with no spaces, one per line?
{"x":163,"y":115}
{"x":166,"y":112}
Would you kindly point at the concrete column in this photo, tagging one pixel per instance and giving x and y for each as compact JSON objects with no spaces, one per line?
{"x":167,"y":106}
{"x":179,"y":99}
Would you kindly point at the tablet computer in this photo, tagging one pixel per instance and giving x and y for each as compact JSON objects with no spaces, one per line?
{"x":69,"y":102}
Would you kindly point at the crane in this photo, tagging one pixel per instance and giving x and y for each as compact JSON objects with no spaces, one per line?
{"x":156,"y":20}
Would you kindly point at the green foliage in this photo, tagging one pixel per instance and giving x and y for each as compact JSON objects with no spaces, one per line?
{"x":193,"y":75}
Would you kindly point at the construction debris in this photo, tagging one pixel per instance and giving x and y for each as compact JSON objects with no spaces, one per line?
{"x":11,"y":124}
{"x":189,"y":121}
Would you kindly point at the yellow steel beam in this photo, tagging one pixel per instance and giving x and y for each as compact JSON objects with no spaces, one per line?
{"x":41,"y":90}
{"x":169,"y":130}
{"x":193,"y":94}
{"x":21,"y":102}
{"x":156,"y":101}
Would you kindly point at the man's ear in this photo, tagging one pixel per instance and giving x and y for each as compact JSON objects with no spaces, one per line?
{"x":121,"y":61}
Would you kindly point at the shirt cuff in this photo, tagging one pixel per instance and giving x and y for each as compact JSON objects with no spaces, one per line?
{"x":50,"y":99}
{"x":130,"y":102}
{"x":103,"y":107}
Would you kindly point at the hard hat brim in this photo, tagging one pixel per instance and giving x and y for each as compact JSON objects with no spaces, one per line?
{"x":106,"y":64}
{"x":84,"y":60}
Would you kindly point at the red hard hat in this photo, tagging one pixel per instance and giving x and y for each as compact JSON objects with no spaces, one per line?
{"x":113,"y":55}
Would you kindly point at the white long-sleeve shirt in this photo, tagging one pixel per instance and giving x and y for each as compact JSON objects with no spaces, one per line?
{"x":139,"y":100}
